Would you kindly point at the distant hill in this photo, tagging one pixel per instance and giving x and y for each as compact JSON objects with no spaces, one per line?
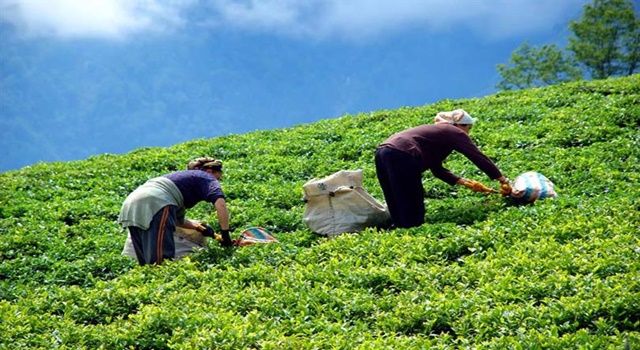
{"x":481,"y":273}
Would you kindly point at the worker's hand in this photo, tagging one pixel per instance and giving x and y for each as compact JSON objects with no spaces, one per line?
{"x":481,"y":188}
{"x":226,"y":239}
{"x":208,"y":231}
{"x":475,"y":186}
{"x":505,"y":188}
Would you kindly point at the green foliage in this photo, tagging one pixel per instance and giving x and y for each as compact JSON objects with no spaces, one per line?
{"x":532,"y":67}
{"x":480,"y":273}
{"x":606,"y":39}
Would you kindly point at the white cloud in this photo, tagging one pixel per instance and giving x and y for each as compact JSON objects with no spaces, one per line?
{"x":352,"y":19}
{"x":91,"y":18}
{"x":363,"y":18}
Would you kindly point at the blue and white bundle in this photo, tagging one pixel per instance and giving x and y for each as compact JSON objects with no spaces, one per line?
{"x":531,"y":186}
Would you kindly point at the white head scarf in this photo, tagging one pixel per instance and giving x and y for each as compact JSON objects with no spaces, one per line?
{"x":458,"y":116}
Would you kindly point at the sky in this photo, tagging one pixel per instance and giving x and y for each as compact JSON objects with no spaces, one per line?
{"x":86,"y":77}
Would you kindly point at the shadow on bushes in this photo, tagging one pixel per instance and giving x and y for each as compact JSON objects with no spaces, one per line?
{"x":213,"y":256}
{"x":461,"y":212}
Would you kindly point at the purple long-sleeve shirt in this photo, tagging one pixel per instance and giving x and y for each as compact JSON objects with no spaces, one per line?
{"x":432,"y":144}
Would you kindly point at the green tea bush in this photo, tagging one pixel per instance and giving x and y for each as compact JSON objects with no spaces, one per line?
{"x":480,"y":273}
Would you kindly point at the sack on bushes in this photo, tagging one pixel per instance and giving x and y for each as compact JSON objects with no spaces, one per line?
{"x":338,"y":203}
{"x":531,"y":186}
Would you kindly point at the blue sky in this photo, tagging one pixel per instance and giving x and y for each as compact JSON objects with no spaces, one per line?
{"x":86,"y":77}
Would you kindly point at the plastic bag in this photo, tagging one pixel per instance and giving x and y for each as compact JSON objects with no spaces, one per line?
{"x":532,"y":186}
{"x":255,"y":235}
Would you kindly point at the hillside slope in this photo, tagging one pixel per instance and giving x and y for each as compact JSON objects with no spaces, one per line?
{"x":480,"y":273}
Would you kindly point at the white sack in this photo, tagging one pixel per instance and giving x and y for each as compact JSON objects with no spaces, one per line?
{"x":338,"y":203}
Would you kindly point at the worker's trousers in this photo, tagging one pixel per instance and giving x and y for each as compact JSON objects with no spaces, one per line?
{"x":401,"y":181}
{"x":156,"y":243}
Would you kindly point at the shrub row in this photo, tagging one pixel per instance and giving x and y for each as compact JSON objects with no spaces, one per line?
{"x":481,"y":273}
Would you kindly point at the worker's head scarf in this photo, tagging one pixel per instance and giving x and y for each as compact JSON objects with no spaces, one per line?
{"x":204,"y":163}
{"x":458,"y":116}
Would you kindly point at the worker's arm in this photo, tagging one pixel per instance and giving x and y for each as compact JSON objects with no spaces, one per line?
{"x":223,"y":213}
{"x":464,"y":145}
{"x":475,"y":186}
{"x":505,"y":187}
{"x":192,"y":225}
{"x":444,"y":174}
{"x":223,"y":219}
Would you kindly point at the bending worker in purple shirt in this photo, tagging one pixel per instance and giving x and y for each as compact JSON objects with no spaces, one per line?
{"x":152,"y":211}
{"x":403,"y":157}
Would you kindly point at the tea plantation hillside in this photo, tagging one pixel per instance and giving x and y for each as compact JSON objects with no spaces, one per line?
{"x":481,"y":273}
